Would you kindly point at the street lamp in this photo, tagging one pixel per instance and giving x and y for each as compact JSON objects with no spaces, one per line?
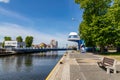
{"x":78,"y":41}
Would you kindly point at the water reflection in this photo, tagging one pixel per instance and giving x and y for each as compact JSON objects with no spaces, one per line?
{"x":28,"y":66}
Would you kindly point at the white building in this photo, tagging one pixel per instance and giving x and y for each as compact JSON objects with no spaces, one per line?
{"x":14,"y":44}
{"x":54,"y":44}
{"x":73,"y":36}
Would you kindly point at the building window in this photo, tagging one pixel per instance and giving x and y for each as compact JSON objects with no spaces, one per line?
{"x":73,"y":36}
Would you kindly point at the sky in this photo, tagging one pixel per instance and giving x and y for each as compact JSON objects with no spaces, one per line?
{"x":43,"y":19}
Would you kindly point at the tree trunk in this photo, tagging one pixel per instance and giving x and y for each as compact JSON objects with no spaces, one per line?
{"x":93,"y":49}
{"x":102,"y":49}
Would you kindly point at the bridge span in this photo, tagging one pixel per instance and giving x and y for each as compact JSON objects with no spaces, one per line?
{"x":32,"y":50}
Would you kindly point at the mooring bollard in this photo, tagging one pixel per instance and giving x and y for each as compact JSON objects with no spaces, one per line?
{"x":61,"y":62}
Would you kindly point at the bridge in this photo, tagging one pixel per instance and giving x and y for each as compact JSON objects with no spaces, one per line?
{"x":34,"y":50}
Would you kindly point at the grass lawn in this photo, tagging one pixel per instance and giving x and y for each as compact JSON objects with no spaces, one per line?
{"x":114,"y":55}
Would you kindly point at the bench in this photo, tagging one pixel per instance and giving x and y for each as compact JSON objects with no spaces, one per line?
{"x":108,"y":63}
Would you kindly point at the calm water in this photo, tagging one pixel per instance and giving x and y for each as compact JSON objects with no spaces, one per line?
{"x":29,"y":66}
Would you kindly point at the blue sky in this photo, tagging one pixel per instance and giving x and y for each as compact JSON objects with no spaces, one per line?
{"x":43,"y":19}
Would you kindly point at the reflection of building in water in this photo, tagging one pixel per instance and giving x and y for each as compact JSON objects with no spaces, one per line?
{"x":54,"y":44}
{"x":52,"y":53}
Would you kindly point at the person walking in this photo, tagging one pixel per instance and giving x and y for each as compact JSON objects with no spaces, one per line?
{"x":82,"y":49}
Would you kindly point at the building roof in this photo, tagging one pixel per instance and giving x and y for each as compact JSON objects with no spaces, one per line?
{"x":73,"y":33}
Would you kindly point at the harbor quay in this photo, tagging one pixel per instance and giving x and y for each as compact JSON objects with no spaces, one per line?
{"x":81,"y":66}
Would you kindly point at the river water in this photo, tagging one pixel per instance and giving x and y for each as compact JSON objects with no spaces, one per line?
{"x":34,"y":66}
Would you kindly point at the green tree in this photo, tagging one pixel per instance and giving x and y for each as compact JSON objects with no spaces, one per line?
{"x":114,"y":17}
{"x":29,"y":41}
{"x":3,"y":44}
{"x":7,"y":38}
{"x":19,"y":39}
{"x":94,"y":29}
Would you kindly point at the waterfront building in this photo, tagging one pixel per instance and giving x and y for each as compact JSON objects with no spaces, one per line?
{"x":74,"y":37}
{"x":48,"y":46}
{"x":14,"y":44}
{"x":54,"y":44}
{"x":35,"y":46}
{"x":43,"y":45}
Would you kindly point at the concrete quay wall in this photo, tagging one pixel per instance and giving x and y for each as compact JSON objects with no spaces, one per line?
{"x":81,"y":66}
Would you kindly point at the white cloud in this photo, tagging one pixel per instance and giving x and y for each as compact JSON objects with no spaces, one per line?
{"x":14,"y":30}
{"x":13,"y":14}
{"x":5,"y":1}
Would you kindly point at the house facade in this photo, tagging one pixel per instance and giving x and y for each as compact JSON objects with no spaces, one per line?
{"x":14,"y":44}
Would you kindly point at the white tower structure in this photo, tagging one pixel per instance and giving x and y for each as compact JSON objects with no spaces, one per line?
{"x":73,"y":36}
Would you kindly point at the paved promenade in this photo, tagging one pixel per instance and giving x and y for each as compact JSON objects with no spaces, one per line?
{"x":82,"y":66}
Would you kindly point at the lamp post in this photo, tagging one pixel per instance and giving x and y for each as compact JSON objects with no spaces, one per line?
{"x":79,"y":41}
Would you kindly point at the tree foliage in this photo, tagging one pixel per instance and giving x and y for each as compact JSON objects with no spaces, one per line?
{"x":19,"y":39}
{"x":29,"y":41}
{"x":101,"y":22}
{"x":3,"y":44}
{"x":7,"y":38}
